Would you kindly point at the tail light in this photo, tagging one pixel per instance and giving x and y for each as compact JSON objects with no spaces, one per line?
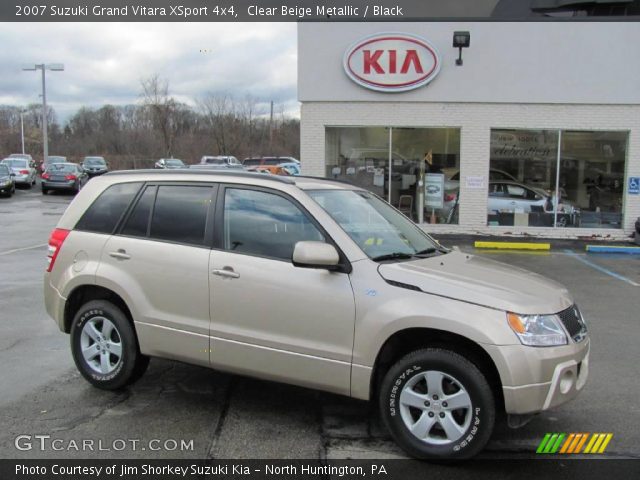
{"x":24,"y":172}
{"x":55,"y":244}
{"x":449,"y":197}
{"x":46,"y":176}
{"x":70,"y":177}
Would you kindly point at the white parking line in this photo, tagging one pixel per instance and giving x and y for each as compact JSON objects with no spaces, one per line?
{"x":601,"y":269}
{"x":8,"y":252}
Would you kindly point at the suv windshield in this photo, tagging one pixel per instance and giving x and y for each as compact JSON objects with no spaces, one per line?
{"x":4,"y":170}
{"x":380,"y":231}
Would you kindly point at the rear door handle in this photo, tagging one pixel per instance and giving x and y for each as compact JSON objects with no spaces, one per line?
{"x":226,"y":272}
{"x":120,"y":254}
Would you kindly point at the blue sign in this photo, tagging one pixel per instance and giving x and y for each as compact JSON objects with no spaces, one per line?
{"x":634,"y":186}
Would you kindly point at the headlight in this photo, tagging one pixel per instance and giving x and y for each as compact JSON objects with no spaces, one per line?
{"x":537,"y":330}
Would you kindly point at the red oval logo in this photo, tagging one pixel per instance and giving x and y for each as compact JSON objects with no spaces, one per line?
{"x":391,"y":62}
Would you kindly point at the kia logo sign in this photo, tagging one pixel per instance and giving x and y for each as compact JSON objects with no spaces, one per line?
{"x":391,"y":62}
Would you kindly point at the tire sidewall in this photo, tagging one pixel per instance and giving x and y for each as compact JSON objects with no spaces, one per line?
{"x":483,"y":409}
{"x":120,"y":376}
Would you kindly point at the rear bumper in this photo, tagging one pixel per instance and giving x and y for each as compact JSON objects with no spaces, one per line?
{"x":70,"y":185}
{"x":54,"y":302}
{"x":22,"y":179}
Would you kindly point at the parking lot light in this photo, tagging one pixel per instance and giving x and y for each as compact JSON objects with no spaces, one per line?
{"x":55,"y":67}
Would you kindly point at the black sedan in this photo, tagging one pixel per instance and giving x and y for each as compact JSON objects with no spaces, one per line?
{"x":7,"y":185}
{"x":64,"y":176}
{"x":95,"y":166}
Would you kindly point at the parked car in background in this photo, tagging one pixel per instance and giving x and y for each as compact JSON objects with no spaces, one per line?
{"x":25,"y":156}
{"x":52,"y":159}
{"x":23,"y":169}
{"x":226,"y":160}
{"x":95,"y":166}
{"x":64,"y":176}
{"x":224,"y":167}
{"x":170,"y":163}
{"x":255,"y":161}
{"x":291,"y":167}
{"x":270,"y":169}
{"x":361,"y":302}
{"x":7,"y":185}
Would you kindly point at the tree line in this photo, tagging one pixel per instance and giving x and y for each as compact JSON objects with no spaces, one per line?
{"x":158,"y":126}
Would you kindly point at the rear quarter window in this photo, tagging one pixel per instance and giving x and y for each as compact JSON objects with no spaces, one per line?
{"x":105,"y":212}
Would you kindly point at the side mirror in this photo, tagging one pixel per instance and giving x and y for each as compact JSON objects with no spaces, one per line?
{"x":315,"y":255}
{"x":12,"y":174}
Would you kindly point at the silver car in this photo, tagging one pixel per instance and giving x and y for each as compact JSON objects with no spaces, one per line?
{"x":23,"y":169}
{"x":315,"y":283}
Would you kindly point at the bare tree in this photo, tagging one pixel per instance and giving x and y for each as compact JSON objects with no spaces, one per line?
{"x":162,"y":107}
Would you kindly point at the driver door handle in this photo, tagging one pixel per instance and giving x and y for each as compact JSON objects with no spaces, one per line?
{"x":226,"y":272}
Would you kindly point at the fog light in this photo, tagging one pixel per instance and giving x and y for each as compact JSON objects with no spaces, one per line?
{"x":566,"y":382}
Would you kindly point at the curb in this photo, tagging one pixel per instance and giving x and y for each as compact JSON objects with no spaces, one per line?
{"x":613,"y":249}
{"x":513,"y":245}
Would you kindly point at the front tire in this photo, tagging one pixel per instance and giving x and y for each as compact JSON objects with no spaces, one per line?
{"x":104,"y":346}
{"x":437,"y":405}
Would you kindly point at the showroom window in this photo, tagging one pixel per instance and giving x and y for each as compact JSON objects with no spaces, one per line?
{"x":556,"y":178}
{"x":421,"y":163}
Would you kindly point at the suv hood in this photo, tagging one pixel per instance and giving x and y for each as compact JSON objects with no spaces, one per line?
{"x":478,"y":280}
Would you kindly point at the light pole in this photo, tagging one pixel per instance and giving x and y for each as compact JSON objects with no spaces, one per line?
{"x":22,"y":128}
{"x":55,"y":67}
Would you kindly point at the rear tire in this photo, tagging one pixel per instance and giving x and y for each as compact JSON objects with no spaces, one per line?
{"x":44,"y":191}
{"x":437,"y":405}
{"x":104,"y":346}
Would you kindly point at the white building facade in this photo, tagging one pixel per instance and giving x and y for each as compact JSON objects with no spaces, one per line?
{"x":536,"y":133}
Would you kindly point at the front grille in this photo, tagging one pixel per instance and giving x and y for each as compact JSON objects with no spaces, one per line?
{"x":572,"y":321}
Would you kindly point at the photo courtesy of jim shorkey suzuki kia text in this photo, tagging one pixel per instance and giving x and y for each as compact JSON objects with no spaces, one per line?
{"x":125,"y":470}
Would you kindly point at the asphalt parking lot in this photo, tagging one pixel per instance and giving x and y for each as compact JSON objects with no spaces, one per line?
{"x":225,"y":416}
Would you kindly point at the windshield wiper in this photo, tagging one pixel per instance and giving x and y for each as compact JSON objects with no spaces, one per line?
{"x":392,"y":256}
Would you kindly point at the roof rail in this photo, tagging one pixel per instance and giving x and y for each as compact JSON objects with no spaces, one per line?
{"x":207,"y":172}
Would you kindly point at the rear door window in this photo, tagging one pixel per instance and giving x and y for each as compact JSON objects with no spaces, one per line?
{"x":180,"y":213}
{"x":106,"y":211}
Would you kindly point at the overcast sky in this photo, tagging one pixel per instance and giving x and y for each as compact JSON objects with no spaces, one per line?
{"x":104,"y":62}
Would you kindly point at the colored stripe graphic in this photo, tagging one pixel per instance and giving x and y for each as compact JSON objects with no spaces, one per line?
{"x":573,"y":443}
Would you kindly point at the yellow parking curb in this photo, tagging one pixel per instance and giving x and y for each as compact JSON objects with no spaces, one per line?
{"x":513,"y":245}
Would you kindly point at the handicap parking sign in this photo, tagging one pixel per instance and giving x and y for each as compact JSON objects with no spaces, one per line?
{"x":634,"y":185}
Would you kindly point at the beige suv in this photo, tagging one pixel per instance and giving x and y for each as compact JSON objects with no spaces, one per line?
{"x":315,"y":283}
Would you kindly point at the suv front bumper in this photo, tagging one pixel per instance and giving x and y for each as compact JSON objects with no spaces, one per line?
{"x":537,"y":379}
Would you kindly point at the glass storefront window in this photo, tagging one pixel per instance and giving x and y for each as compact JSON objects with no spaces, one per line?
{"x":360,"y":155}
{"x":532,"y":183}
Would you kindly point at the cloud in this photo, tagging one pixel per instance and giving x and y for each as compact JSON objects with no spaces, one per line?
{"x":105,"y":62}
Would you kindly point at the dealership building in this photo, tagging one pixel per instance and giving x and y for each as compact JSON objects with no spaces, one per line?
{"x":525,"y":128}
